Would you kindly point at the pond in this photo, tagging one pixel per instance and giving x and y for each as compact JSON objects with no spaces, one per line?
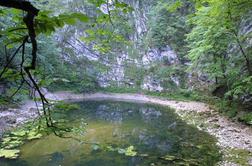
{"x":121,"y":134}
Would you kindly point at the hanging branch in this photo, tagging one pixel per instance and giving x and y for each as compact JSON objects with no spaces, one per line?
{"x":18,"y":4}
{"x":236,"y":35}
{"x":22,"y":65}
{"x":28,"y":19}
{"x":32,"y":12}
{"x":10,"y":60}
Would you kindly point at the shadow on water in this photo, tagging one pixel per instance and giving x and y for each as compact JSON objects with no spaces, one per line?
{"x":123,"y":134}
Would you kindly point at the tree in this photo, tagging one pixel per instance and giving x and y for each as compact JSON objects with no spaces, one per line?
{"x":215,"y":36}
{"x":28,"y":30}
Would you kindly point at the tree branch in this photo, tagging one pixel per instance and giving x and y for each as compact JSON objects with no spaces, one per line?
{"x":22,"y":5}
{"x":11,"y":58}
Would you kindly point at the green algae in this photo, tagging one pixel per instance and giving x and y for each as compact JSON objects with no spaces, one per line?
{"x":9,"y":153}
{"x":34,"y":135}
{"x":12,"y":141}
{"x":130,"y":151}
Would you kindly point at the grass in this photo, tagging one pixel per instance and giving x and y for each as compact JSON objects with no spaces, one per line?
{"x":238,"y":156}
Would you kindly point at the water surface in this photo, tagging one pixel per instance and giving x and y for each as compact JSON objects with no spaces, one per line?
{"x":107,"y":129}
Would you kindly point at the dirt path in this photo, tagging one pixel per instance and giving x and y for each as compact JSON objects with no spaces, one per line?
{"x":234,"y":139}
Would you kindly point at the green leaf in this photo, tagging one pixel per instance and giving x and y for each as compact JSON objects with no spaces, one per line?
{"x":81,"y":17}
{"x":169,"y":158}
{"x":130,"y":151}
{"x":173,"y":7}
{"x":9,"y":154}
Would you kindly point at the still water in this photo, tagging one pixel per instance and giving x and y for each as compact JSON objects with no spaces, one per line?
{"x":121,"y":134}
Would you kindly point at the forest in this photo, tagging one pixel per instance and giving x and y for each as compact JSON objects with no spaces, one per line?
{"x":125,"y":82}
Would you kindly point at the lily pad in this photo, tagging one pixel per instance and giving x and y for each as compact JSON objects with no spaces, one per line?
{"x":191,"y":162}
{"x":6,"y":140}
{"x":9,"y":154}
{"x":130,"y":151}
{"x":19,"y":133}
{"x":169,"y":158}
{"x":13,"y":144}
{"x":33,"y":135}
{"x":144,"y":155}
{"x":110,"y":148}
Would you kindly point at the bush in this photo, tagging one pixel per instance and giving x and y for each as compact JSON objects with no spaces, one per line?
{"x":246,"y":118}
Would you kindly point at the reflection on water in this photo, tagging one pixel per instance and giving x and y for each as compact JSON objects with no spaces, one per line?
{"x":154,"y":132}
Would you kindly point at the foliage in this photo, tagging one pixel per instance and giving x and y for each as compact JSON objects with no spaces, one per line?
{"x":9,"y":154}
{"x":134,"y":74}
{"x":246,"y":117}
{"x":179,"y":94}
{"x":129,"y":151}
{"x":11,"y":142}
{"x":241,"y":87}
{"x":238,"y":156}
{"x":47,"y":22}
{"x":216,"y":30}
{"x":210,"y":33}
{"x":168,"y":25}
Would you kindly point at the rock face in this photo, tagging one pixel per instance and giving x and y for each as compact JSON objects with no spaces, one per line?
{"x":149,"y":58}
{"x":140,"y":19}
{"x":246,"y":29}
{"x":116,"y":75}
{"x":166,"y":54}
{"x":151,"y":84}
{"x":154,"y":55}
